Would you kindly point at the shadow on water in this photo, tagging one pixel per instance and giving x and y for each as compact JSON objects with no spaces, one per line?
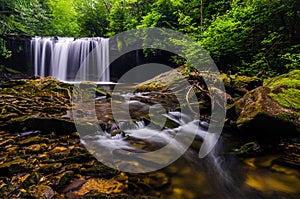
{"x":227,"y":176}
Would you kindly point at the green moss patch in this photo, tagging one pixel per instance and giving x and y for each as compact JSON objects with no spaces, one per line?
{"x":286,"y":89}
{"x":290,"y":80}
{"x":288,"y":97}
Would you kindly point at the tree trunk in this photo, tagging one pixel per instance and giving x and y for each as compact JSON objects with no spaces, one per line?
{"x":201,"y":12}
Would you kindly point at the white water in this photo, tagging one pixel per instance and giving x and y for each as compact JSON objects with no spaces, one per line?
{"x":69,"y":59}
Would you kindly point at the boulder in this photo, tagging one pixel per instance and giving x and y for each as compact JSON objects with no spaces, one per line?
{"x":272,"y":109}
{"x":238,"y":85}
{"x":42,"y":104}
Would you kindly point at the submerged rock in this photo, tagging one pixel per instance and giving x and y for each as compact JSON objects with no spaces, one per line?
{"x":100,"y":185}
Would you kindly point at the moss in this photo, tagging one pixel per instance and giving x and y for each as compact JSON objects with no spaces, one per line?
{"x":287,"y":117}
{"x":291,"y":80}
{"x":239,"y":80}
{"x":151,"y":87}
{"x":289,"y":98}
{"x":286,"y":89}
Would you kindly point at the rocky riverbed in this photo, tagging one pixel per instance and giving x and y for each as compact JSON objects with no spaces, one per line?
{"x":42,"y":155}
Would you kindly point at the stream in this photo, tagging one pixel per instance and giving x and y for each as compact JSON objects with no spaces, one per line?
{"x":154,"y":121}
{"x":145,"y":145}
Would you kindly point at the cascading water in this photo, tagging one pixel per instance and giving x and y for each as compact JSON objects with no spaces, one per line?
{"x":70,"y":59}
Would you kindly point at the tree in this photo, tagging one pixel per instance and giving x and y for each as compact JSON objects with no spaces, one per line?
{"x":93,"y":16}
{"x":21,"y":17}
{"x":64,"y":18}
{"x":127,"y":14}
{"x":253,"y":36}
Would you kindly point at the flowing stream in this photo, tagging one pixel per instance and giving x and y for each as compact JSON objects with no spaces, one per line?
{"x":221,"y":174}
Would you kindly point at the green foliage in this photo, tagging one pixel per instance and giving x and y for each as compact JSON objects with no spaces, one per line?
{"x":63,"y":20}
{"x":10,"y":70}
{"x":4,"y":52}
{"x":127,"y":15}
{"x":24,"y":16}
{"x":93,"y":17}
{"x":21,"y":17}
{"x":254,"y":36}
{"x":245,"y":36}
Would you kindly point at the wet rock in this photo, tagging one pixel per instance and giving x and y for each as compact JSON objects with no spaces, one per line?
{"x":290,"y":155}
{"x":62,"y":179}
{"x":48,"y":168}
{"x":286,"y":90}
{"x":100,"y":185}
{"x":31,"y":179}
{"x":6,"y":142}
{"x":96,"y":195}
{"x":100,"y":170}
{"x":74,"y":185}
{"x":77,"y":154}
{"x":259,"y":114}
{"x":36,"y":148}
{"x":13,"y":166}
{"x":41,"y":191}
{"x":48,"y":125}
{"x":238,"y":85}
{"x":33,"y":140}
{"x":250,"y":148}
{"x":39,"y":104}
{"x":24,"y":99}
{"x":272,"y":109}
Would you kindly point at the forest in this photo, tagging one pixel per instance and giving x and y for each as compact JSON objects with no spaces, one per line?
{"x":242,"y":36}
{"x":81,"y":118}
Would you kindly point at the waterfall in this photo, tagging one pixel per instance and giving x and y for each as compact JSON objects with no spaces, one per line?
{"x":70,"y":59}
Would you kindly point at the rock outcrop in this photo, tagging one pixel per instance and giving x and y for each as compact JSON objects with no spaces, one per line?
{"x":272,"y":109}
{"x":39,"y":104}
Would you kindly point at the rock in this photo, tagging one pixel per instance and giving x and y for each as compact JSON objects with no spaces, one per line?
{"x":6,"y":142}
{"x":238,"y":85}
{"x":286,"y":90}
{"x":31,"y":179}
{"x":290,"y":154}
{"x":36,"y":148}
{"x":33,"y":140}
{"x":272,"y":109}
{"x":40,"y":104}
{"x":250,"y":148}
{"x":42,"y":191}
{"x":62,"y":179}
{"x":48,"y":125}
{"x":51,"y":167}
{"x":13,"y":166}
{"x":100,"y":185}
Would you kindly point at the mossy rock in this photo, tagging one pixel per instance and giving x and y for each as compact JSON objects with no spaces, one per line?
{"x":41,"y":104}
{"x":162,"y":82}
{"x":272,"y":109}
{"x":238,"y":85}
{"x":286,"y":89}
